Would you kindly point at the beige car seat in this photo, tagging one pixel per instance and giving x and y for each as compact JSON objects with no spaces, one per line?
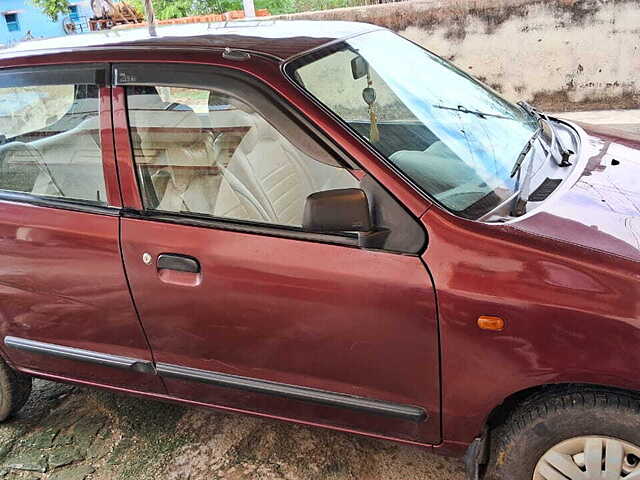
{"x":268,"y":179}
{"x":174,"y":141}
{"x":71,"y":163}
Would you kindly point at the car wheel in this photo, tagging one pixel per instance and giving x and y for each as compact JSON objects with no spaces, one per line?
{"x":580,"y":434}
{"x":15,"y":388}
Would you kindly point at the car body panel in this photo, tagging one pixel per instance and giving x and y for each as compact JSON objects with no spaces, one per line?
{"x":63,"y":275}
{"x":62,"y":282}
{"x":336,"y":318}
{"x":571,"y":314}
{"x":601,"y":210}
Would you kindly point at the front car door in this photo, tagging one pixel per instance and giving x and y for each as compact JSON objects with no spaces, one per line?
{"x":65,"y":306}
{"x":244,"y":310}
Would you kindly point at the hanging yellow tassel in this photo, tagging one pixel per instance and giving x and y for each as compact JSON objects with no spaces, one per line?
{"x":369,"y":96}
{"x":374,"y":133}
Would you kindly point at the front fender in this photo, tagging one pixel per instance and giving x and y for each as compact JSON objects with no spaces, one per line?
{"x":572,"y":316}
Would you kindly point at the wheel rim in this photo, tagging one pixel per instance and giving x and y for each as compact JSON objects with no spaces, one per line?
{"x":590,"y":458}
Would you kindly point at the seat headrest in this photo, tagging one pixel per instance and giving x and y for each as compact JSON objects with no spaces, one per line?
{"x":160,"y":128}
{"x":261,"y":131}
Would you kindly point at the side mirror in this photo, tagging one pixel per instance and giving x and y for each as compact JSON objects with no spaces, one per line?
{"x":341,"y":210}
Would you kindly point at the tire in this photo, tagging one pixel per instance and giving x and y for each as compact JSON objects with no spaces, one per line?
{"x":15,"y":388}
{"x":559,"y":417}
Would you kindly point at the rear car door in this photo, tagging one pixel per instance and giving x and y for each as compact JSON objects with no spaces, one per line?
{"x":65,"y":306}
{"x":243,"y":309}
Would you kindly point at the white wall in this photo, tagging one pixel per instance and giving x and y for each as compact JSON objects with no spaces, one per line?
{"x":559,"y":54}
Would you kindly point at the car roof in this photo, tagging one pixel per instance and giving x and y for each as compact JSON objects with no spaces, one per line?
{"x":281,"y":39}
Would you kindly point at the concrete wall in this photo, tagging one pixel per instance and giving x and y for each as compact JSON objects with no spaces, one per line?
{"x":558,"y":54}
{"x":31,"y":18}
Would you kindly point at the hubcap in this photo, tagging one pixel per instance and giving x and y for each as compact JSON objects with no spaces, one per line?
{"x":590,"y":458}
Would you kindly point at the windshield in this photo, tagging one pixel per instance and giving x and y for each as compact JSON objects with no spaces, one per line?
{"x":454,"y":137}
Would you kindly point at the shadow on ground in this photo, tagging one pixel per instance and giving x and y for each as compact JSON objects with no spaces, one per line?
{"x":70,"y":433}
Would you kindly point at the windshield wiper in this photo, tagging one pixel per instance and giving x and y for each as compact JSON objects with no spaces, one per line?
{"x":565,"y":153}
{"x":524,"y":151}
{"x":463,"y":109}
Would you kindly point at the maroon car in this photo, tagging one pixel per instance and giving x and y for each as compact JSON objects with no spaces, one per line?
{"x":322,"y":223}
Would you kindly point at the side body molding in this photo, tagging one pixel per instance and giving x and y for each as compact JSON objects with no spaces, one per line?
{"x":377,"y":407}
{"x":405,"y":412}
{"x":70,"y":353}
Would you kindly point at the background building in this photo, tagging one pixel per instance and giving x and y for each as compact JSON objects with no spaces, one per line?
{"x":21,"y":19}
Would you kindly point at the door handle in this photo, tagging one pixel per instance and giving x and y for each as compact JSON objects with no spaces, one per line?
{"x":177,"y":262}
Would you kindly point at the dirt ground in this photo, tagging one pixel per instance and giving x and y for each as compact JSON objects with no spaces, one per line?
{"x":71,"y":433}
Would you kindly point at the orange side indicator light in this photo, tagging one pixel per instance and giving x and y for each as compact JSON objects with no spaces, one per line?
{"x":495,"y":324}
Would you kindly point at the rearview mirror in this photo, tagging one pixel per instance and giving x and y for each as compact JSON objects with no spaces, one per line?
{"x":359,"y":67}
{"x":341,"y":210}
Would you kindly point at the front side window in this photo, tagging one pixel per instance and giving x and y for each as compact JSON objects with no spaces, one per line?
{"x":200,"y":152}
{"x":456,"y":139}
{"x":50,"y":142}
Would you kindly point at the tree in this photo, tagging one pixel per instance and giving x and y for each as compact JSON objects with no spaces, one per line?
{"x":52,"y":8}
{"x":166,"y":9}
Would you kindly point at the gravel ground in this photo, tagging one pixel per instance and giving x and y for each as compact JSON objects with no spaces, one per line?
{"x":71,"y":433}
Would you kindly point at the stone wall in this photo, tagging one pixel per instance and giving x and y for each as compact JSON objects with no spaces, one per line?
{"x":558,"y":54}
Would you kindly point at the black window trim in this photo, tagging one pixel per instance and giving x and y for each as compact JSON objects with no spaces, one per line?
{"x":240,"y":226}
{"x":60,"y":203}
{"x":229,"y":81}
{"x":64,"y":74}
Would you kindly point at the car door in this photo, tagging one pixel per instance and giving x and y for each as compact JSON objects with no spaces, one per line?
{"x":65,"y":306}
{"x":243,"y":309}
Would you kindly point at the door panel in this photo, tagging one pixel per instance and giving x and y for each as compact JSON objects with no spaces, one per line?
{"x":244,"y":310}
{"x":62,"y":283}
{"x":65,"y":305}
{"x":327,"y":317}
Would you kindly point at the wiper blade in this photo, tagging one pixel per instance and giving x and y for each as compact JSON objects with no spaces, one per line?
{"x":565,"y":153}
{"x":530,"y":110}
{"x":524,"y":151}
{"x":463,"y":109}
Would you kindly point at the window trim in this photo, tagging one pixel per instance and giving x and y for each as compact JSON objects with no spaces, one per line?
{"x":228,"y":81}
{"x":84,"y":74}
{"x":241,"y":226}
{"x":58,"y":203}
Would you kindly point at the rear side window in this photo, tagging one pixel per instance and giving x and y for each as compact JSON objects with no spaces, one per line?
{"x":50,"y":142}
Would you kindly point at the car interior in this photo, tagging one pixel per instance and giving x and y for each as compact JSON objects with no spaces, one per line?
{"x":60,"y":160}
{"x":226,"y":162}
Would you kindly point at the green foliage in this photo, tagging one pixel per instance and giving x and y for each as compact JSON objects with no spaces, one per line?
{"x":52,"y":8}
{"x":166,"y":9}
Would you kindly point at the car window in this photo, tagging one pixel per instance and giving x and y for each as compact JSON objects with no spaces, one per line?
{"x":50,"y":142}
{"x":202,"y":152}
{"x":453,"y":137}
